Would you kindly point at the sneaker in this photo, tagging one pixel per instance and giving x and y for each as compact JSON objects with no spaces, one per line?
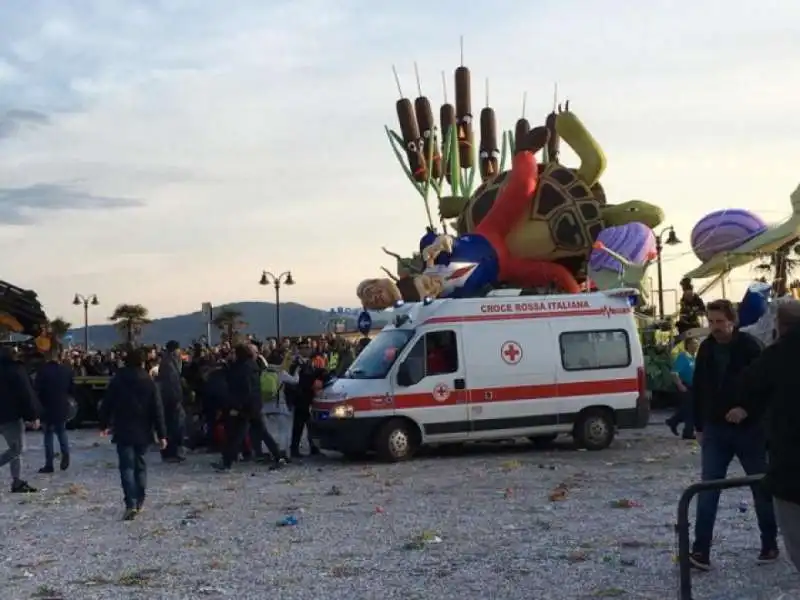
{"x":47,"y":469}
{"x":22,"y":487}
{"x":64,"y":462}
{"x":700,"y":561}
{"x":688,"y":437}
{"x":279,"y":464}
{"x":768,"y":556}
{"x":174,"y":459}
{"x":129,"y":514}
{"x":139,"y":506}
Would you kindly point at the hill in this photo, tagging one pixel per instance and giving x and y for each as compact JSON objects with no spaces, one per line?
{"x":296,"y":319}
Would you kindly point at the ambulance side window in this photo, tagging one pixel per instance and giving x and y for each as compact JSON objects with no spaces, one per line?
{"x":590,"y":350}
{"x":436,"y":353}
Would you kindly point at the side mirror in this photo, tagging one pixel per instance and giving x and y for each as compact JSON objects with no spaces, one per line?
{"x":404,"y":375}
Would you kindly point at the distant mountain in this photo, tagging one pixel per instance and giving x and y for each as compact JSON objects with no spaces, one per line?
{"x":296,"y":319}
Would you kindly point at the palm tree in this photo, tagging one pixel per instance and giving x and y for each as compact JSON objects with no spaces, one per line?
{"x":59,"y":328}
{"x":229,"y":322}
{"x":782,"y":263}
{"x":130,"y":319}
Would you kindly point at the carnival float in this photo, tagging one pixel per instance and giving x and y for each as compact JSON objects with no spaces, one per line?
{"x":510,"y":214}
{"x":530,"y":223}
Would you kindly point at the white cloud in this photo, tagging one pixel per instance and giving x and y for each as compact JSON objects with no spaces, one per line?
{"x":255,"y":134}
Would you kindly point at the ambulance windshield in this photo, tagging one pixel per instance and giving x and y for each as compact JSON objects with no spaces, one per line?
{"x":379,"y":355}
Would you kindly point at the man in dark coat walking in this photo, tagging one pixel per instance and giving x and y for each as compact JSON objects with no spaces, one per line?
{"x":55,"y":384}
{"x":727,"y":425}
{"x":171,"y":389}
{"x":301,"y":396}
{"x":243,"y":412}
{"x":773,"y":380}
{"x":132,"y":409}
{"x":18,"y":404}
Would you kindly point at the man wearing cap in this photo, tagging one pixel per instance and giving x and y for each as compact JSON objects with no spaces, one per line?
{"x":169,"y":384}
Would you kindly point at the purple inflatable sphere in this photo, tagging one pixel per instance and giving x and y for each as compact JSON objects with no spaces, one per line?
{"x":633,"y":241}
{"x":724,"y":230}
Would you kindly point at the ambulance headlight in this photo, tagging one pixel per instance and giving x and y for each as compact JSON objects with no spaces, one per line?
{"x":342,"y":411}
{"x":633,"y":300}
{"x":428,"y":300}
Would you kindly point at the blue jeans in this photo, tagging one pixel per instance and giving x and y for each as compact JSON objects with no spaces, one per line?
{"x":684,"y":413}
{"x":60,"y":431}
{"x":132,"y":474}
{"x":721,"y":443}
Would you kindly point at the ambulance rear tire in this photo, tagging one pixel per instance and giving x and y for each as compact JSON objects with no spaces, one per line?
{"x":396,"y":441}
{"x":594,"y":429}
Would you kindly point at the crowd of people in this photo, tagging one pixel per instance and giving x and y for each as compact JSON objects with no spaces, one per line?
{"x":740,"y":400}
{"x":236,"y":398}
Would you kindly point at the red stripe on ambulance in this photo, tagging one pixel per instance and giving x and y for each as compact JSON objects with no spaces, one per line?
{"x":520,"y":393}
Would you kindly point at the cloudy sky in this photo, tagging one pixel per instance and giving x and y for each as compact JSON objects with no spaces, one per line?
{"x":166,"y":151}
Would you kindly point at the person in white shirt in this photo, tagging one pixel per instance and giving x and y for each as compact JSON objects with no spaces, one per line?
{"x":279,"y":414}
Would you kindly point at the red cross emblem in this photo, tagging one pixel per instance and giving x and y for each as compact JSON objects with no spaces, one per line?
{"x":511,"y":353}
{"x":441,"y":392}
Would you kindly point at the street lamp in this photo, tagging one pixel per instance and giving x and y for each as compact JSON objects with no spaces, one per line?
{"x":92,"y":300}
{"x":276,"y":280}
{"x":672,"y":240}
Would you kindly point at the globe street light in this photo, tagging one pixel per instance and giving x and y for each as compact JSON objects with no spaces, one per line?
{"x":276,"y":281}
{"x":672,"y":240}
{"x":88,"y":300}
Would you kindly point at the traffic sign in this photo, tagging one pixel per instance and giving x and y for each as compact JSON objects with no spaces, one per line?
{"x":364,"y":322}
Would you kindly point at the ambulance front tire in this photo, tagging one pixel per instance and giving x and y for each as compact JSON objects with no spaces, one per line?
{"x":595,"y":429}
{"x":396,"y":440}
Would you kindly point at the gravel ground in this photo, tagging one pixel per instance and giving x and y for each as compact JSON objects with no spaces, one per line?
{"x":503,"y":523}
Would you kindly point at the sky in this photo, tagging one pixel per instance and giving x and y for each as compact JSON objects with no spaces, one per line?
{"x":164,"y":152}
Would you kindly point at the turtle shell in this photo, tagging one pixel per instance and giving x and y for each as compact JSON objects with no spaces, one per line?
{"x":569,"y":207}
{"x":564,"y":181}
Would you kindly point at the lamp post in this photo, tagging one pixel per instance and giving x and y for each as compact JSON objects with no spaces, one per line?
{"x":88,"y":300}
{"x":672,"y":240}
{"x":276,"y":281}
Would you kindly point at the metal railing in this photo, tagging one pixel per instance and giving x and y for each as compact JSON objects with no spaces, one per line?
{"x":682,"y":527}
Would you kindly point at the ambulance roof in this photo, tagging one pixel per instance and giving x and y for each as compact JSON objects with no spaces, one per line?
{"x":509,"y":304}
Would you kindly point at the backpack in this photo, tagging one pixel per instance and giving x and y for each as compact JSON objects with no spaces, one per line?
{"x":270,"y":386}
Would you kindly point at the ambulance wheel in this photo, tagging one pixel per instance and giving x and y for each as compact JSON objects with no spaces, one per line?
{"x":543,"y":441}
{"x":396,"y":441}
{"x":594,"y":429}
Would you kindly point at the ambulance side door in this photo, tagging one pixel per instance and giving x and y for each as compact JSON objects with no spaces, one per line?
{"x":430,"y":385}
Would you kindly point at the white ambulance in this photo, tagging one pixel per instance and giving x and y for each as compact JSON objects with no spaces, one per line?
{"x":503,"y":366}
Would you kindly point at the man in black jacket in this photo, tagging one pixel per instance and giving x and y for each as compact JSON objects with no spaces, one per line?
{"x":773,"y":379}
{"x":54,"y":386}
{"x":243,"y":412}
{"x":18,"y":403}
{"x":301,"y":396}
{"x":170,"y":386}
{"x":132,"y":409}
{"x":727,"y":425}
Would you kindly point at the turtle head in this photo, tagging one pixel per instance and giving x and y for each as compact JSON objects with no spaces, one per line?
{"x":633,"y":211}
